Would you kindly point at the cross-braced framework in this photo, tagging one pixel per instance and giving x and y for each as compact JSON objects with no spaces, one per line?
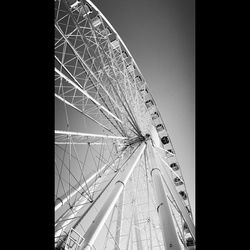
{"x":118,"y":183}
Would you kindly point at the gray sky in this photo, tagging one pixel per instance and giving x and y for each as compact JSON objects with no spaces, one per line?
{"x":160,"y":36}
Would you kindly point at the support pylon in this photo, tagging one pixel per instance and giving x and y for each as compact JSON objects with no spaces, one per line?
{"x":166,"y":221}
{"x":94,"y":229}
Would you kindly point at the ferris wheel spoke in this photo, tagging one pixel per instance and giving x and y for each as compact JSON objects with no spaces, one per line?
{"x":64,"y":135}
{"x":89,"y":140}
{"x":103,"y":54}
{"x":70,"y":216}
{"x":66,"y":38}
{"x":109,"y":162}
{"x":66,"y":196}
{"x":82,"y":178}
{"x":85,"y":93}
{"x":123,"y":71}
{"x":62,"y":184}
{"x":88,"y":72}
{"x":60,"y":173}
{"x":93,"y":117}
{"x":122,"y":97}
{"x":81,"y":105}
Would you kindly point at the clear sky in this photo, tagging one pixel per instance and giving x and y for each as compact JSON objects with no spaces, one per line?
{"x":160,"y":36}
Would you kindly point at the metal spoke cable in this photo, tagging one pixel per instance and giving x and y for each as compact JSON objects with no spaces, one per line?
{"x":73,"y":188}
{"x":82,"y":175}
{"x":98,"y":165}
{"x":61,"y":171}
{"x":60,"y":218}
{"x":73,"y":205}
{"x":60,"y":180}
{"x":58,"y":145}
{"x":103,"y":68}
{"x":80,"y":185}
{"x":84,"y":114}
{"x":75,"y":54}
{"x":99,"y":45}
{"x":95,"y":104}
{"x":67,"y":118}
{"x":86,"y":43}
{"x":100,"y":157}
{"x":101,"y":15}
{"x":130,"y":113}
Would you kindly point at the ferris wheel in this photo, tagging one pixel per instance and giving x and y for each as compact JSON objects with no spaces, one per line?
{"x":118,"y":183}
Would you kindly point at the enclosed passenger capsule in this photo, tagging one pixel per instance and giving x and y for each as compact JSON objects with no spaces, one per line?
{"x":144,"y":91}
{"x":75,"y":5}
{"x":124,"y":54}
{"x":185,"y":228}
{"x":96,"y":21}
{"x":115,"y":44}
{"x":155,"y":115}
{"x":174,"y":166}
{"x":106,"y":32}
{"x":149,"y":103}
{"x":164,"y":140}
{"x":177,"y":181}
{"x":138,"y":79}
{"x":159,"y":127}
{"x":130,"y":67}
{"x":84,"y":10}
{"x":190,"y":242}
{"x":183,"y":195}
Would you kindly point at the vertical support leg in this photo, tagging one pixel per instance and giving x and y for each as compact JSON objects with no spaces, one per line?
{"x":94,"y":229}
{"x":167,"y":225}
